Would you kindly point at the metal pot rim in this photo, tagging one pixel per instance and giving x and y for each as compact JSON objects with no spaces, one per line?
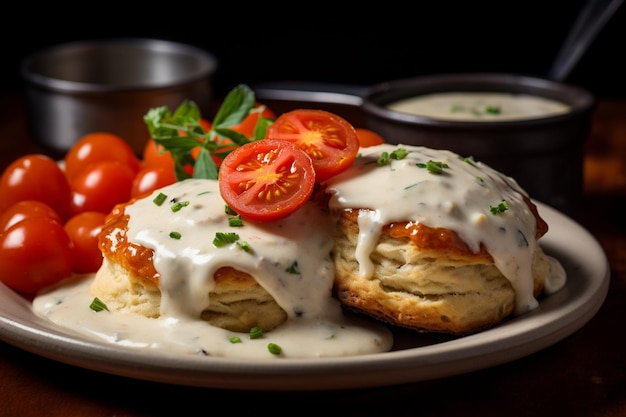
{"x":33,"y":67}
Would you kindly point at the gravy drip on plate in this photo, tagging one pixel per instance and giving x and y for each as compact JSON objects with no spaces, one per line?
{"x":460,"y":199}
{"x":289,"y":258}
{"x":479,"y":107}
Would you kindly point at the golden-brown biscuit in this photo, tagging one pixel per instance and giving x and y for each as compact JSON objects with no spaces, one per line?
{"x":128,"y":282}
{"x":432,"y":282}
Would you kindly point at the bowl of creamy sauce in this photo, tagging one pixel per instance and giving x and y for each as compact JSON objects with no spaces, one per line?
{"x":530,"y":128}
{"x":480,"y":106}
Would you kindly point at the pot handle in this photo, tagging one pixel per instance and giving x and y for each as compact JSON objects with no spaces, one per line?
{"x":311,"y":92}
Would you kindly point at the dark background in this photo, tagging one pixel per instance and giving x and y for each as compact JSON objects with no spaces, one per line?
{"x":313,"y":41}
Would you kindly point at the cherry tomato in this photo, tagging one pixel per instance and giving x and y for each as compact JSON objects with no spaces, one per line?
{"x":267,"y":179}
{"x":34,"y":253}
{"x":153,"y":155}
{"x":368,"y":137}
{"x":26,"y":209}
{"x":151,"y":178}
{"x":35,"y":177}
{"x":247,"y":125}
{"x":330,"y":140}
{"x":96,"y":147}
{"x":83,"y":230}
{"x":101,"y":186}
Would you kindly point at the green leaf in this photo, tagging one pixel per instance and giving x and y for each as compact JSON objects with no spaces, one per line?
{"x":261,"y":127}
{"x":205,"y":166}
{"x":238,"y":138}
{"x":235,"y":107}
{"x":180,"y":132}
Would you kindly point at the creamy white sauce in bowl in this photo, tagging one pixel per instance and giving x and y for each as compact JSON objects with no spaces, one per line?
{"x":479,"y":106}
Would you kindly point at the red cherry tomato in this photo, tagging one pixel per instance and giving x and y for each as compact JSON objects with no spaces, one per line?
{"x":34,"y":253}
{"x":267,"y":179}
{"x":101,"y":186}
{"x":83,"y":230}
{"x":153,"y":155}
{"x":26,"y":209}
{"x":368,"y":137}
{"x":35,"y":177}
{"x":330,"y":141}
{"x":151,"y":178}
{"x":96,"y":147}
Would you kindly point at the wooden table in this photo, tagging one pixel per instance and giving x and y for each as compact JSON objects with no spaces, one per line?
{"x":582,"y":375}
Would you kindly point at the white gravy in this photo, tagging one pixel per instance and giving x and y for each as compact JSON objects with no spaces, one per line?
{"x":458,"y":199}
{"x":479,"y":107}
{"x":315,"y":327}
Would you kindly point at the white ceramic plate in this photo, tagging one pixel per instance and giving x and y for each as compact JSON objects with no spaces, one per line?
{"x":415,"y":357}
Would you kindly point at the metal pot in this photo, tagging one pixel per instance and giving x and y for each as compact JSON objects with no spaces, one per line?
{"x":109,"y":85}
{"x":545,"y":155}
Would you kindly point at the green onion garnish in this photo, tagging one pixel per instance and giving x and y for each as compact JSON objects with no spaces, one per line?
{"x":256,"y":333}
{"x":274,"y":349}
{"x":179,"y":205}
{"x":159,"y":199}
{"x":98,"y":305}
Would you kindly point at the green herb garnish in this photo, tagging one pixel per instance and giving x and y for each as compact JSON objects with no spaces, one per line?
{"x":159,"y":199}
{"x":179,"y":205}
{"x":274,"y":349}
{"x":386,"y":157}
{"x":493,"y":110}
{"x":175,"y":235}
{"x":223,"y":239}
{"x":256,"y":333}
{"x":235,"y":221}
{"x":500,"y":208}
{"x":229,"y":210}
{"x":245,"y":246}
{"x":181,"y":132}
{"x":434,"y":167}
{"x":98,"y":305}
{"x":234,"y":339}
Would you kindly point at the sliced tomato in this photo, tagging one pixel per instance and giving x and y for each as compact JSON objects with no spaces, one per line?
{"x":267,"y":179}
{"x":330,"y":140}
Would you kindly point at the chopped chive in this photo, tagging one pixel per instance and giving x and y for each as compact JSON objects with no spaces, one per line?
{"x":234,"y":339}
{"x":274,"y":349}
{"x":179,"y":205}
{"x":500,"y":208}
{"x":98,"y":305}
{"x":245,"y":246}
{"x":434,"y":167}
{"x":256,"y":333}
{"x":159,"y":199}
{"x":235,"y":221}
{"x":383,"y":159}
{"x":398,"y":154}
{"x":223,"y":239}
{"x":175,"y":235}
{"x":493,"y":109}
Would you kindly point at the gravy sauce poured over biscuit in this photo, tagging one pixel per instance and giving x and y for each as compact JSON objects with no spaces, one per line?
{"x":438,"y":188}
{"x":289,"y":258}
